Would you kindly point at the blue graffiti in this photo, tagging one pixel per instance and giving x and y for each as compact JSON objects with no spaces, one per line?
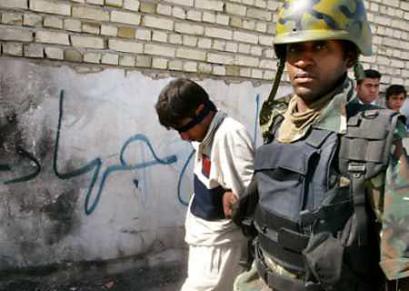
{"x":34,"y":162}
{"x":182,"y":173}
{"x":93,"y":166}
{"x":96,"y":164}
{"x":28,"y":177}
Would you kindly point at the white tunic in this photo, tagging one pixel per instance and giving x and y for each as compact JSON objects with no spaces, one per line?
{"x":230,"y":151}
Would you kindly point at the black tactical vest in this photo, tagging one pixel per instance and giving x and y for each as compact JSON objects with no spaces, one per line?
{"x":313,"y":217}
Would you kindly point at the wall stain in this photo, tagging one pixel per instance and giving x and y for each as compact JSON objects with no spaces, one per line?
{"x":61,"y":214}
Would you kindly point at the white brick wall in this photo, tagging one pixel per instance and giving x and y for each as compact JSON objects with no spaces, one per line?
{"x":13,"y":49}
{"x":209,"y":5}
{"x":127,"y":60}
{"x":87,"y":42}
{"x":30,"y":19}
{"x":245,"y":37}
{"x":125,"y":17}
{"x":236,"y":9}
{"x":218,"y":33}
{"x":181,"y":2}
{"x":110,"y":59}
{"x":158,"y":22}
{"x":194,"y":15}
{"x":97,"y":2}
{"x":12,"y":18}
{"x":52,"y":37}
{"x":160,"y":63}
{"x":97,"y":14}
{"x":159,"y":50}
{"x":131,"y":5}
{"x":17,"y":34}
{"x":125,"y":46}
{"x":185,"y":53}
{"x":219,"y":58}
{"x":92,"y":58}
{"x":54,"y":53}
{"x":189,"y":28}
{"x":229,"y":39}
{"x":13,"y":4}
{"x":32,"y":50}
{"x":50,"y":7}
{"x":115,"y":3}
{"x":109,"y":30}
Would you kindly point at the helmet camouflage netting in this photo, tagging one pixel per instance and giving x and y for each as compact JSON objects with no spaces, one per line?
{"x":311,"y":20}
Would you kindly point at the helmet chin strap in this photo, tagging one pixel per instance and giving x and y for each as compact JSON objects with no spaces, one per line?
{"x":266,"y":109}
{"x":359,"y":72}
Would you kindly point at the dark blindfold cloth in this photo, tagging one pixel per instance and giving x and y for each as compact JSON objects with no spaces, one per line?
{"x":208,"y":107}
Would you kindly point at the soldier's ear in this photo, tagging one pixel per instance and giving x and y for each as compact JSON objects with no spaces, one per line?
{"x":351,"y":53}
{"x":351,"y":57}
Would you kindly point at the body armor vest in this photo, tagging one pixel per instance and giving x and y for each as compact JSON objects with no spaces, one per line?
{"x":313,"y":217}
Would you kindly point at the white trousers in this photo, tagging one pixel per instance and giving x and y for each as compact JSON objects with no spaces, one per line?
{"x":213,"y":268}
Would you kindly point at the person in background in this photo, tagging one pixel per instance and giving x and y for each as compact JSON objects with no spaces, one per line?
{"x":395,"y":96}
{"x":367,"y":88}
{"x":223,"y":167}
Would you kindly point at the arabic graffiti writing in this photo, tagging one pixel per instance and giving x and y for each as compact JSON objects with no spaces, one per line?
{"x":94,"y":166}
{"x":99,"y":177}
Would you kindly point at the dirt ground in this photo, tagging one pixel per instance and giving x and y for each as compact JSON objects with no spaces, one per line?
{"x":169,"y":278}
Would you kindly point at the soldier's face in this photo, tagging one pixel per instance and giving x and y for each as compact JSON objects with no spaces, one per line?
{"x":315,"y":67}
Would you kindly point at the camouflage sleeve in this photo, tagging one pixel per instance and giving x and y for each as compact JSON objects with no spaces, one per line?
{"x":395,"y":216}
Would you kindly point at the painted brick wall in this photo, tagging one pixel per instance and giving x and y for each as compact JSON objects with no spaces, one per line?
{"x":229,"y":39}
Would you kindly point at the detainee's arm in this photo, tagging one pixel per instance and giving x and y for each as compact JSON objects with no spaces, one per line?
{"x":236,"y":160}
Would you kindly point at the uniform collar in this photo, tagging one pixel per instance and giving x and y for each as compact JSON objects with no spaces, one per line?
{"x":334,"y":117}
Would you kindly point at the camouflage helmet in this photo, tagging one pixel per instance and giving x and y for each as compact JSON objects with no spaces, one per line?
{"x":310,"y":20}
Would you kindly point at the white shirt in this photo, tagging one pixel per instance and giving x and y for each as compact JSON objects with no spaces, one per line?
{"x":231,"y":166}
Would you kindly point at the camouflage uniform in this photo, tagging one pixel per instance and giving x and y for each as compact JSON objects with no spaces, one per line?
{"x":388,"y":192}
{"x":389,"y":197}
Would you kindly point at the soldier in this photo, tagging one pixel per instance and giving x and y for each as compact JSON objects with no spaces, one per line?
{"x":328,"y":202}
{"x":223,"y":168}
